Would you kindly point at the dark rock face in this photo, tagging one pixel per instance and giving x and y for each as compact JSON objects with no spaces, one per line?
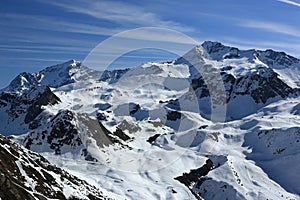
{"x":22,"y":81}
{"x":20,"y":163}
{"x":43,"y":99}
{"x":101,"y":117}
{"x":271,"y":58}
{"x":263,"y":86}
{"x":130,"y":127}
{"x":97,"y":131}
{"x":153,"y":138}
{"x":201,"y":186}
{"x":229,"y":81}
{"x":64,"y":132}
{"x":259,"y":86}
{"x":214,"y":49}
{"x":61,"y":132}
{"x":136,"y":111}
{"x":195,"y":174}
{"x":4,"y":98}
{"x":219,"y":52}
{"x":133,"y":108}
{"x":113,"y":76}
{"x":70,"y":132}
{"x":120,"y":134}
{"x":26,"y":106}
{"x":267,"y":87}
{"x":173,"y":115}
{"x":15,"y":106}
{"x":200,"y":84}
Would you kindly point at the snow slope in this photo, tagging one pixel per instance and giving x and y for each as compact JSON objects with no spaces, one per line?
{"x":27,"y":175}
{"x":133,"y":132}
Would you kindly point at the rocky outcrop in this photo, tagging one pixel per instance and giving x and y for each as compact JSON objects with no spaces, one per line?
{"x":113,"y":76}
{"x":61,"y":133}
{"x":195,"y":174}
{"x":44,"y":98}
{"x":25,"y":106}
{"x":255,"y":83}
{"x":70,"y":132}
{"x":261,"y":85}
{"x":27,"y":175}
{"x":262,"y":88}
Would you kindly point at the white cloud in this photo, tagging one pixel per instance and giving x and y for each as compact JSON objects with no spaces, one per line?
{"x":46,"y":43}
{"x":137,"y":39}
{"x":271,"y":27}
{"x":290,"y":2}
{"x":121,"y":13}
{"x":41,"y":47}
{"x":41,"y":59}
{"x":159,"y":35}
{"x":56,"y":24}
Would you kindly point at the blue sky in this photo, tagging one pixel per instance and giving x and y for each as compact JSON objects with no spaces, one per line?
{"x":39,"y":33}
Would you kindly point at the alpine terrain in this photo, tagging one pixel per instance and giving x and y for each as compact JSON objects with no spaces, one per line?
{"x":216,"y":123}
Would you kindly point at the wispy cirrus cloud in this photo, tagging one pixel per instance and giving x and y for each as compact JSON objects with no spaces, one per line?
{"x":271,"y":27}
{"x":44,"y":49}
{"x":54,"y":24}
{"x":38,"y":59}
{"x":39,"y":22}
{"x":290,"y":2}
{"x":46,"y":40}
{"x":121,"y":13}
{"x":57,"y":35}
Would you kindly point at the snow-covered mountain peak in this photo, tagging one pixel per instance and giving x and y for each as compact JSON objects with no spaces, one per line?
{"x":219,"y":51}
{"x":195,"y":56}
{"x":66,"y":67}
{"x":241,"y":62}
{"x":165,"y":69}
{"x":22,"y":82}
{"x":288,"y":67}
{"x":276,"y":59}
{"x":53,"y":76}
{"x":68,"y":72}
{"x":161,"y":116}
{"x":211,"y":46}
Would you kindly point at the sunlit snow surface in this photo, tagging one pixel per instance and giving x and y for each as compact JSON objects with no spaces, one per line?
{"x":253,"y":169}
{"x":258,"y":152}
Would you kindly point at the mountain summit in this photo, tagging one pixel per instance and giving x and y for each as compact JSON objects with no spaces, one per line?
{"x":216,"y":123}
{"x":54,"y":76}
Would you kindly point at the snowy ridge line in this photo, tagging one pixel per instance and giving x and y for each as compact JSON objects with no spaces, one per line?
{"x":27,"y":175}
{"x":131,"y":132}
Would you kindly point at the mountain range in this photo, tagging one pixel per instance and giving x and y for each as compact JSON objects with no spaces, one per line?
{"x":216,"y":123}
